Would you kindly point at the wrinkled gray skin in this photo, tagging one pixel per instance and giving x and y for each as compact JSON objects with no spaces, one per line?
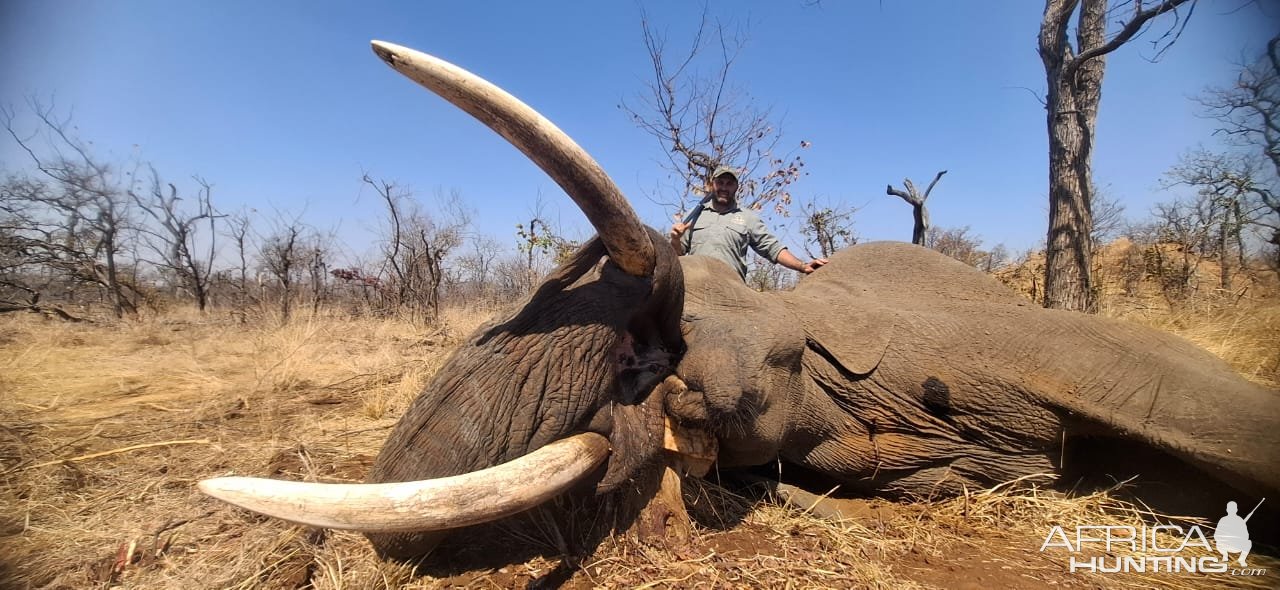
{"x":897,"y":370}
{"x":893,"y":370}
{"x":581,"y":354}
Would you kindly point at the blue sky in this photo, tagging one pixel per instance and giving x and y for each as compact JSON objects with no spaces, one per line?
{"x":282,"y":104}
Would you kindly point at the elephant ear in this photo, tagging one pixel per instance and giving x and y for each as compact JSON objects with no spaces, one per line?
{"x":852,"y":333}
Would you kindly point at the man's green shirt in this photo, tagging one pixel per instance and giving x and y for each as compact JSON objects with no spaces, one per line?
{"x":725,"y":236}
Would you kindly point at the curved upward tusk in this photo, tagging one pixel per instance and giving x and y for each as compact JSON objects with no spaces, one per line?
{"x":550,"y":148}
{"x":429,"y":505}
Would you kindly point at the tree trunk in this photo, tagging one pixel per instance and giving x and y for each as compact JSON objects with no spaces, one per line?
{"x":1074,"y":91}
{"x":921,"y":224}
{"x":1074,"y":79}
{"x":1068,"y":281}
{"x":286,"y":302}
{"x":198,"y":287}
{"x":113,"y":278}
{"x":1224,"y":258}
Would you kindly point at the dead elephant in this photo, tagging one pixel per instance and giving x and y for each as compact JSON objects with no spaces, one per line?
{"x":893,"y":370}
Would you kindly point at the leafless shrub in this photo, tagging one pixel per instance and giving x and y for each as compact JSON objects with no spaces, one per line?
{"x":702,"y":119}
{"x":828,"y":228}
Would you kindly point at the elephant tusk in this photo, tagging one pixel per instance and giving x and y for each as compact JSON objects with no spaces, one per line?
{"x":540,"y":140}
{"x":428,"y":505}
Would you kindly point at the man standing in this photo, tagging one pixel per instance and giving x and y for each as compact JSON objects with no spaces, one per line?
{"x":722,"y":230}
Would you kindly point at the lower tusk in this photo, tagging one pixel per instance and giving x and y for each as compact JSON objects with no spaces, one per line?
{"x":434,"y":504}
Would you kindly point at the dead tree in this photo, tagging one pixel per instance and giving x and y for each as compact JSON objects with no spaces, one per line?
{"x":1232,"y":195}
{"x":28,"y":254}
{"x":996,"y":258}
{"x":958,"y":243}
{"x":175,"y":240}
{"x":479,"y":267}
{"x":426,"y":254}
{"x":1249,"y":110}
{"x":702,"y":120}
{"x":316,"y":256}
{"x":416,"y":248}
{"x":238,"y":228}
{"x":1182,"y":229}
{"x":1249,"y":116}
{"x":81,"y":215}
{"x":282,"y":255}
{"x":1108,"y":217}
{"x":919,"y":214}
{"x":395,"y":274}
{"x":1074,"y":77}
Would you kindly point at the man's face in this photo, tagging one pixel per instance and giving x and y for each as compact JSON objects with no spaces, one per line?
{"x":726,"y":189}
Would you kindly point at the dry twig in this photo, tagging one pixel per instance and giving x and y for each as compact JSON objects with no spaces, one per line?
{"x":203,"y":441}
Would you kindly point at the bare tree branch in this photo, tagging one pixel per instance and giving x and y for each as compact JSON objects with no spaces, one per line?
{"x":703,"y":121}
{"x":1129,"y":30}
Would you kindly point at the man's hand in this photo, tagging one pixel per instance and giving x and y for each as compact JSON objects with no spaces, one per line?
{"x":813,"y":265}
{"x":677,"y":231}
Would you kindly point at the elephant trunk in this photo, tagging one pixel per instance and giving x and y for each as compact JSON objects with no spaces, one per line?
{"x":544,"y":143}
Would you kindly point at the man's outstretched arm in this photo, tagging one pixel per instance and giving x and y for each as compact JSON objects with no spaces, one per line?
{"x":785,"y":258}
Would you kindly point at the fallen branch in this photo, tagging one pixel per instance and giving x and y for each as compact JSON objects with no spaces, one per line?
{"x":45,"y":310}
{"x":164,"y":409}
{"x":203,"y":441}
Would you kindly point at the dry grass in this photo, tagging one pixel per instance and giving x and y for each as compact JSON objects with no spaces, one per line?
{"x":314,"y":400}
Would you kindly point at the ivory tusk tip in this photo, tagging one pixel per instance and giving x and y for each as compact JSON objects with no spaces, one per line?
{"x":222,"y":488}
{"x":386,"y":51}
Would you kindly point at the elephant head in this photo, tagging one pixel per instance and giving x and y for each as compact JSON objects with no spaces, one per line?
{"x":893,"y":370}
{"x":532,"y":402}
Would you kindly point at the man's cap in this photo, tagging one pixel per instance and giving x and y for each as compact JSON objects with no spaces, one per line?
{"x":720,"y":170}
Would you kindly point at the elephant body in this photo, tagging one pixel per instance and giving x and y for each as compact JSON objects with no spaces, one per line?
{"x":898,"y":370}
{"x":893,"y":371}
